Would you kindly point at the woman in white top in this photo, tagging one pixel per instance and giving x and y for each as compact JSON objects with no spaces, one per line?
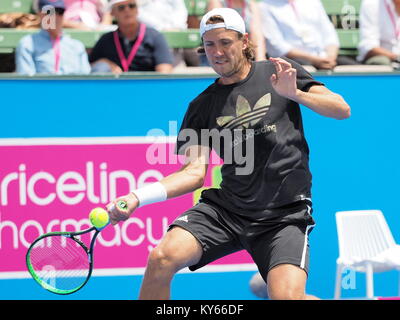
{"x":250,"y":13}
{"x":379,"y":32}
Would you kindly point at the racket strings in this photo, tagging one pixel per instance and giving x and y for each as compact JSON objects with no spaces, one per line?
{"x":60,"y":263}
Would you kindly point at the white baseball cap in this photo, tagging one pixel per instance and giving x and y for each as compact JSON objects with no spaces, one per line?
{"x":232,"y":21}
{"x":112,"y":2}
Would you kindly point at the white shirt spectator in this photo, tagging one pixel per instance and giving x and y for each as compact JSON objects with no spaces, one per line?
{"x":297,"y":24}
{"x":379,"y":27}
{"x":163,"y":14}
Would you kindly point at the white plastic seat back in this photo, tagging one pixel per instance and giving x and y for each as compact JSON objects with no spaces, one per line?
{"x":362,"y":234}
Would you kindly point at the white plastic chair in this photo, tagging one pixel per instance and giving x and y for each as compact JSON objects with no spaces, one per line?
{"x":366,"y":245}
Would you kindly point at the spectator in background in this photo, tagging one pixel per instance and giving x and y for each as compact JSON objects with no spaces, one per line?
{"x":87,"y":15}
{"x":250,"y":12}
{"x":301,"y":31}
{"x":133,"y":46}
{"x":50,"y":51}
{"x":163,"y":14}
{"x":168,"y":15}
{"x":379,"y":32}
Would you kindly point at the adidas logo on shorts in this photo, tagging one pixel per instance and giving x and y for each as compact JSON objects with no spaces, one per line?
{"x":183,"y":218}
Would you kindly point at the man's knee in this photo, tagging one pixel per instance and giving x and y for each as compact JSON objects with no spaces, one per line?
{"x":162,"y":261}
{"x":286,"y":282}
{"x":178,"y":249}
{"x":286,"y":294}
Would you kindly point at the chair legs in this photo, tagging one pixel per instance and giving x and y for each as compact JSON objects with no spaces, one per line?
{"x":398,"y":275}
{"x":338,"y":285}
{"x":370,"y":281}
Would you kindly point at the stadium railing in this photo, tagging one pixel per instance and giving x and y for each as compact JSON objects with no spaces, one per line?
{"x":10,"y":37}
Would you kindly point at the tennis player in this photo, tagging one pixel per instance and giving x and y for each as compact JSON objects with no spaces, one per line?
{"x":266,"y":210}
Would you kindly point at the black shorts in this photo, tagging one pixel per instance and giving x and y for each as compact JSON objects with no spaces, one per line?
{"x":281,"y":238}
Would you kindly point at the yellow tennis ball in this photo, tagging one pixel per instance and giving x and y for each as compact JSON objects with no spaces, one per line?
{"x":99,"y":217}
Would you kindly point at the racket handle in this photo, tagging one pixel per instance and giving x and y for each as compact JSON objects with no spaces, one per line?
{"x":123,"y":205}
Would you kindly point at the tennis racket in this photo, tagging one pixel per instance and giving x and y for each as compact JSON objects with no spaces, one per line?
{"x":60,"y":262}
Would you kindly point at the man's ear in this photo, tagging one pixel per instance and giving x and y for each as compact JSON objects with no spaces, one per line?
{"x":245,"y":40}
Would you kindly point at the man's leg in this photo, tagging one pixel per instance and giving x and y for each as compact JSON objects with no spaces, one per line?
{"x":178,"y":249}
{"x":379,"y":60}
{"x":287,"y":282}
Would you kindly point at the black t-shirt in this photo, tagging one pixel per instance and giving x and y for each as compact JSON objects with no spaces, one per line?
{"x":153,"y":50}
{"x":255,"y":115}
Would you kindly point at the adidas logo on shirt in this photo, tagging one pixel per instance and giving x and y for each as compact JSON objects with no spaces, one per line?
{"x":245,"y":115}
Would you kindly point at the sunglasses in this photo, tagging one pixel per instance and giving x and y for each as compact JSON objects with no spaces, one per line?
{"x":58,"y":11}
{"x":123,"y":6}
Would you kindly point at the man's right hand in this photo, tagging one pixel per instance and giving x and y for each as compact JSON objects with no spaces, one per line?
{"x":116,"y":213}
{"x":116,"y":69}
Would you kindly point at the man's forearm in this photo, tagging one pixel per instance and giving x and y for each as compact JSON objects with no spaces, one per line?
{"x":299,"y":54}
{"x":328,"y":104}
{"x":381,"y":52}
{"x":176,"y":184}
{"x":190,"y":176}
{"x":182,"y":182}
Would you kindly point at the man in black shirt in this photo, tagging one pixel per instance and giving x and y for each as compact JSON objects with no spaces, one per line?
{"x":251,"y":116}
{"x":133,"y":46}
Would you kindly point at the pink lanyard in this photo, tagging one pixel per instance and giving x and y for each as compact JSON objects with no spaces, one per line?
{"x":126,"y":62}
{"x":57,"y":53}
{"x":243,"y":8}
{"x":392,"y":16}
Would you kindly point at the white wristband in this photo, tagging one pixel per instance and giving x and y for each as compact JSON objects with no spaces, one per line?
{"x":154,"y":192}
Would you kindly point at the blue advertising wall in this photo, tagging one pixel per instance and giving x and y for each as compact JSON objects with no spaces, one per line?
{"x":354,"y":164}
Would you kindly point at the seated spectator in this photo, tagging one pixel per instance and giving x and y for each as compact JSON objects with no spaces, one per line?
{"x":50,"y":51}
{"x":133,"y":46}
{"x":163,"y":14}
{"x":250,"y":12}
{"x":379,"y":32}
{"x":168,"y":15}
{"x":301,"y":31}
{"x":87,"y":15}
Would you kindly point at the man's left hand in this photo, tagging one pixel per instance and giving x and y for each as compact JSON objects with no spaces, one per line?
{"x":284,"y":80}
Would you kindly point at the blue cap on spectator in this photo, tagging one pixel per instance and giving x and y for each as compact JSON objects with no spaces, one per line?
{"x":53,"y":3}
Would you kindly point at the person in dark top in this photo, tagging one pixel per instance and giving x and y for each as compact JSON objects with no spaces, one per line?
{"x":251,"y":117}
{"x":133,"y":46}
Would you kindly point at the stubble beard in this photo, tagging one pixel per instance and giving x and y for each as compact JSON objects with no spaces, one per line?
{"x":235,"y":69}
